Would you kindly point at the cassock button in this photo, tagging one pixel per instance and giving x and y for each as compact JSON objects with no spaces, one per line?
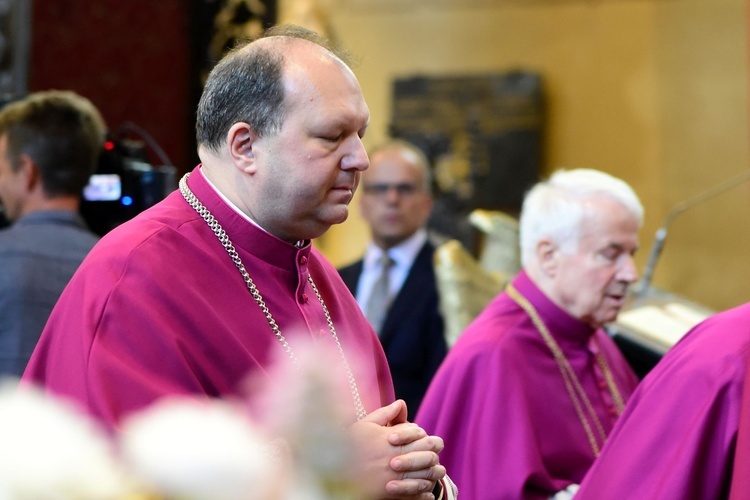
{"x":612,"y":412}
{"x":322,"y":333}
{"x":602,"y":384}
{"x":303,"y":260}
{"x":304,"y":298}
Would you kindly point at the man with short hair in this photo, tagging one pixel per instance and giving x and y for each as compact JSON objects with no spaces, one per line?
{"x":202,"y":290}
{"x":50,"y":144}
{"x":526,"y":397}
{"x":396,"y":203}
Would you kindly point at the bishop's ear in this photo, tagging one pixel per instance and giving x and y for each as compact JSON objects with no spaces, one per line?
{"x":241,"y":139}
{"x":547,"y":254}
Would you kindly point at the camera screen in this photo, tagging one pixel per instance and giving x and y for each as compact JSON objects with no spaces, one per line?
{"x":103,"y":187}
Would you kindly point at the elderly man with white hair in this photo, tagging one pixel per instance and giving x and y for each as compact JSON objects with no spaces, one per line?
{"x":527,"y":396}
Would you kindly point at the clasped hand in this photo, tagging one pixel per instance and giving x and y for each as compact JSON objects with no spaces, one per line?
{"x":400,"y":461}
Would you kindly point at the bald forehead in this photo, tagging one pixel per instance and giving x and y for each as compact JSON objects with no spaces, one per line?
{"x":400,"y":152}
{"x":403,"y":159}
{"x":294,"y":50}
{"x":303,"y":62}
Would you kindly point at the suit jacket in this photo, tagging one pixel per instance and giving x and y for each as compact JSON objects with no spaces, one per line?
{"x":38,"y":256}
{"x":412,"y":335}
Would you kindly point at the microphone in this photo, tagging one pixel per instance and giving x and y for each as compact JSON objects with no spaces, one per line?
{"x":661,"y":233}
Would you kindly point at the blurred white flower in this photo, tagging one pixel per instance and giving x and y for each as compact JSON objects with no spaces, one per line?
{"x":191,"y":448}
{"x":199,"y":449}
{"x":309,"y":404}
{"x":51,"y":451}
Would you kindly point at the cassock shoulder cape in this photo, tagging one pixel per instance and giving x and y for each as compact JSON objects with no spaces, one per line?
{"x":159,"y":308}
{"x":500,"y":403}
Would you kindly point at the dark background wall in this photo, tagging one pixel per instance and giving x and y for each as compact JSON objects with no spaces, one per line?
{"x":135,"y":60}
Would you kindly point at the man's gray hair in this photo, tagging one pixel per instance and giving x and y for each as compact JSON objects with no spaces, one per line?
{"x":555,"y":208}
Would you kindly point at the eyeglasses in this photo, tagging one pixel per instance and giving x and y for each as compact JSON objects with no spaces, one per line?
{"x":402,"y":188}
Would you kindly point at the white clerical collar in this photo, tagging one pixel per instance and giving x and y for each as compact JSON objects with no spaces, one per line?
{"x":242,"y":214}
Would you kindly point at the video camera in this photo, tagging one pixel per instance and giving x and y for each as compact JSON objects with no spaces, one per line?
{"x":125,"y":183}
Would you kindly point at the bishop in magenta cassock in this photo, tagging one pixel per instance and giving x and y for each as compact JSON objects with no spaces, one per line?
{"x":678,"y":436}
{"x":528,"y":394}
{"x":166,"y":272}
{"x":199,"y":292}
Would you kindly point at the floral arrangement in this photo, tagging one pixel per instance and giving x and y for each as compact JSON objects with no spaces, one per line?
{"x":285,"y":442}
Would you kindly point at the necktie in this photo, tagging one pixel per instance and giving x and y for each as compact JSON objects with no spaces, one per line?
{"x":377,"y":305}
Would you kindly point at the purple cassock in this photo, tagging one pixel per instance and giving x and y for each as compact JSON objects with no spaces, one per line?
{"x":677,"y":436}
{"x":159,"y":308}
{"x":500,"y":403}
{"x":740,"y":487}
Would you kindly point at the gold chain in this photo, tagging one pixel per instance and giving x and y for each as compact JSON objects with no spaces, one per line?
{"x":572,"y":384}
{"x":194,"y":202}
{"x":611,"y":385}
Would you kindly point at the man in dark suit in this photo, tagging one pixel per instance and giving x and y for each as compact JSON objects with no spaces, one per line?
{"x":394,"y":282}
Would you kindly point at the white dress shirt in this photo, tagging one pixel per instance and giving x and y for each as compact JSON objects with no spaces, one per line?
{"x":403,"y":256}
